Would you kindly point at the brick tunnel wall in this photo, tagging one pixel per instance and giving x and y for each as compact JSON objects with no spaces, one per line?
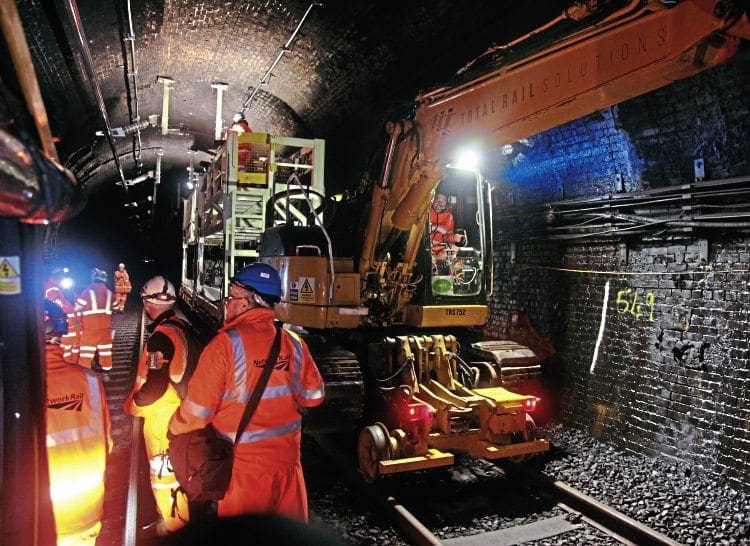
{"x":672,"y":373}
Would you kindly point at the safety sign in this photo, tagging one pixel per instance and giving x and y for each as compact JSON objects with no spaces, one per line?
{"x":10,"y":275}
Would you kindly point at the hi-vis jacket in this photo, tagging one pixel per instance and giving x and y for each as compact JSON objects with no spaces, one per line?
{"x":155,"y":397}
{"x":122,"y":281}
{"x":78,"y":441}
{"x":228,"y":369}
{"x":70,"y":341}
{"x":94,"y":304}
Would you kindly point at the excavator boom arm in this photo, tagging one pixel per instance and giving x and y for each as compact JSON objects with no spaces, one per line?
{"x":642,"y":49}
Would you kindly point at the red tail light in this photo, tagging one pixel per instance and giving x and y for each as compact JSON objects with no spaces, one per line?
{"x":530,"y":403}
{"x":418,"y":412}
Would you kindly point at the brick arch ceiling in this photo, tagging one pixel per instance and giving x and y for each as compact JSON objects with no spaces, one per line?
{"x":353,"y":64}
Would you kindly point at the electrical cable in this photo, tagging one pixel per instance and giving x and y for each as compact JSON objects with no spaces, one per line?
{"x":134,"y":73}
{"x":88,"y":64}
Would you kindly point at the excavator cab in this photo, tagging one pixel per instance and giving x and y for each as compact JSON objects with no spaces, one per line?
{"x":451,"y":262}
{"x":455,"y":242}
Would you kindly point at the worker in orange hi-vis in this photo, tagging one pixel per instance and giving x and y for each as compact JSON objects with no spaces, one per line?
{"x":164,"y":369}
{"x":54,"y":291}
{"x":122,"y":288}
{"x":266,"y":470}
{"x":442,"y":226}
{"x":94,"y":304}
{"x":78,"y":438}
{"x":244,"y":149}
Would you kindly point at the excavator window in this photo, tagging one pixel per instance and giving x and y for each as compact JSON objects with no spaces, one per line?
{"x":455,"y":236}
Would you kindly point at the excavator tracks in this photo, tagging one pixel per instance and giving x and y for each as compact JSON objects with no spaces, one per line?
{"x":345,"y":390}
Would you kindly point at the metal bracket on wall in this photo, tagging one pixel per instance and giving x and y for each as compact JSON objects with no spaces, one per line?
{"x":703,"y":250}
{"x":700,"y":169}
{"x":622,"y":253}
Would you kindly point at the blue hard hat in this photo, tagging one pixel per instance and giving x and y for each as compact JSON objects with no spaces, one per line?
{"x":55,"y":319}
{"x":259,"y":277}
{"x":98,"y":275}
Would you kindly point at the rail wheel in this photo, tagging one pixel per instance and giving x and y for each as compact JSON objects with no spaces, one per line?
{"x":373,"y":446}
{"x":528,"y":435}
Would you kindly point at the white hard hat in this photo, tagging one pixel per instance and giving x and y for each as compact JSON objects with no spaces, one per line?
{"x":121,"y":266}
{"x":159,"y":291}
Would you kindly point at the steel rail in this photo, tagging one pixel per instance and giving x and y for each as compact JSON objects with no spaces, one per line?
{"x":611,"y":519}
{"x":413,"y":529}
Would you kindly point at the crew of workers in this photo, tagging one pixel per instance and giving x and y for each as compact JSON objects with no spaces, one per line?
{"x":181,"y":387}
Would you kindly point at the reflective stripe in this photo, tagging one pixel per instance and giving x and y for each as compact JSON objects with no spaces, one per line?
{"x":95,"y":312}
{"x":157,"y":485}
{"x":306,"y":394}
{"x":238,"y":393}
{"x":312,"y":394}
{"x":276,"y":392}
{"x":94,"y":304}
{"x":297,"y":356}
{"x":251,"y":436}
{"x":62,"y":490}
{"x":197,"y":410}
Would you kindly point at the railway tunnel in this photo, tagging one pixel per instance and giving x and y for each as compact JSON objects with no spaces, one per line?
{"x":619,"y":233}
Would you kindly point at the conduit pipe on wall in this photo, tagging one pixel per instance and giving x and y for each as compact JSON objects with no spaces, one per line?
{"x":133,"y":73}
{"x":88,"y":65}
{"x":284,"y":49}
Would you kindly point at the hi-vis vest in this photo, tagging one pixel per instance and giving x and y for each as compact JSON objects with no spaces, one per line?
{"x":224,"y":380}
{"x":95,"y":307}
{"x":78,"y":441}
{"x":187,"y":349}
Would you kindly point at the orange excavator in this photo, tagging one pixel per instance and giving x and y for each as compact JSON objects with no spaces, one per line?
{"x":389,"y":320}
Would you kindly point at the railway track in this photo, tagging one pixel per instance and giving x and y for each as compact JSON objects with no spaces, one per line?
{"x":435,"y":508}
{"x":605,"y":518}
{"x":129,"y":513}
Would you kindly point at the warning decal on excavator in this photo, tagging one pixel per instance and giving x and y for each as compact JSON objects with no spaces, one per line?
{"x":302,"y":290}
{"x":10,"y":277}
{"x":307,"y":289}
